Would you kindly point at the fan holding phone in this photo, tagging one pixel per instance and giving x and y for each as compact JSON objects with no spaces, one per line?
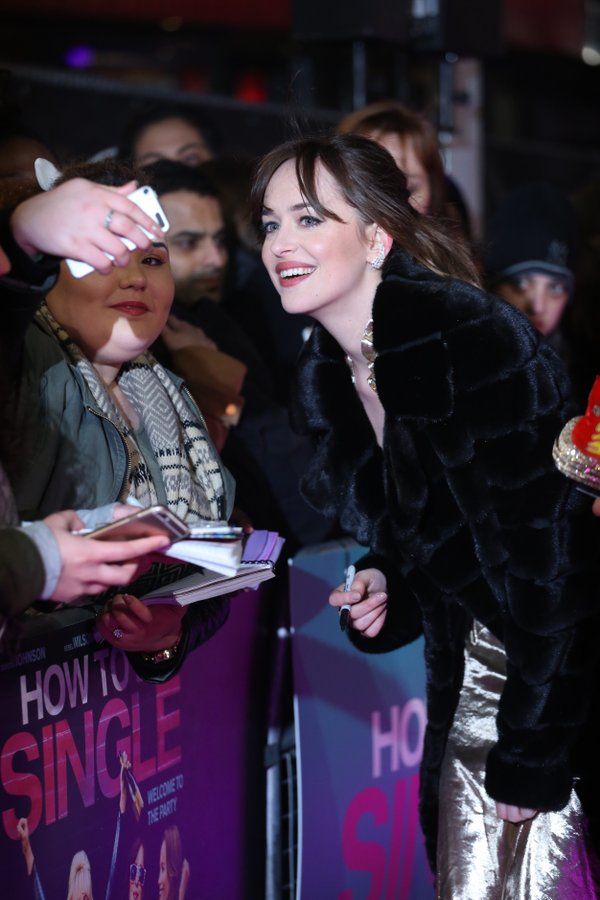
{"x":113,"y":425}
{"x":46,"y":559}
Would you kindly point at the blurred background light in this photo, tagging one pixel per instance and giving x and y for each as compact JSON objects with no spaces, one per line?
{"x":79,"y":57}
{"x":591,"y":56}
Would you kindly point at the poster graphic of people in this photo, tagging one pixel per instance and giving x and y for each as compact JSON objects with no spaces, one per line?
{"x":100,"y":772}
{"x":173,"y":868}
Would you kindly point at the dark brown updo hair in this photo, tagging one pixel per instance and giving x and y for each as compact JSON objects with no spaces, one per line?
{"x":370,"y":181}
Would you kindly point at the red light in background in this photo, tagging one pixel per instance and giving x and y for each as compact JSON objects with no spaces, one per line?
{"x":251,"y":87}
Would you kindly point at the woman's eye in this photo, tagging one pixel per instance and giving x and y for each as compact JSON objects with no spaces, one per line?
{"x":268,"y":227}
{"x":310,"y":221}
{"x":153,"y":261}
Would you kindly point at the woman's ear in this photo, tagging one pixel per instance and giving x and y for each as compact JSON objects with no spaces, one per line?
{"x":379,"y":244}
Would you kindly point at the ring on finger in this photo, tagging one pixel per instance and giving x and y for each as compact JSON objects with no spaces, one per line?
{"x":118,"y":633}
{"x":108,"y":218}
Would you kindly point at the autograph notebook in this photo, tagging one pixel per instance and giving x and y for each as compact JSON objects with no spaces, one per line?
{"x":260,"y":553}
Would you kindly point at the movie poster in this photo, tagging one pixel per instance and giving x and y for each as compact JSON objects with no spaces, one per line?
{"x":360,"y":724}
{"x":114,"y":788}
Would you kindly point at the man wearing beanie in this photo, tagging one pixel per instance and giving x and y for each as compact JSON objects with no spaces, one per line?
{"x":530,"y":256}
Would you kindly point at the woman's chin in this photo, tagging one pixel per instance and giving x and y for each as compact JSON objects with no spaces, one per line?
{"x":126,"y":343}
{"x":297,"y":305}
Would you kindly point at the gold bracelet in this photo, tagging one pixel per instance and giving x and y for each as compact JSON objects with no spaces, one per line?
{"x":160,"y":656}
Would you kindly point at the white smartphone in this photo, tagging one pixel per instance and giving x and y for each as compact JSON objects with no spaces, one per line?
{"x":144,"y":197}
{"x":143,"y":523}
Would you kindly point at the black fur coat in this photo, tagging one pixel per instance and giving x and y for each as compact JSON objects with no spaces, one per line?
{"x":464,"y":511}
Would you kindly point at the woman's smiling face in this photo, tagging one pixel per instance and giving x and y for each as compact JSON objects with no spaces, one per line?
{"x":138,"y":870}
{"x":115,"y":317}
{"x":164,"y":882}
{"x":317,"y":264}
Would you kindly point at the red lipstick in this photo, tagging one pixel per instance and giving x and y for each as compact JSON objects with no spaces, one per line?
{"x":292,"y":272}
{"x":131,"y":307}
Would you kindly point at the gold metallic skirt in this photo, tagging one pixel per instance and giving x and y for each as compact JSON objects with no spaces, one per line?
{"x":482,"y":857}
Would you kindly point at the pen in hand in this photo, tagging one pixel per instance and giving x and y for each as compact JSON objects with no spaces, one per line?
{"x":345,"y":609}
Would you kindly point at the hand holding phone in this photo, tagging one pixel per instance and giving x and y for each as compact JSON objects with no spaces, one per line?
{"x":146,"y":199}
{"x":90,"y":567}
{"x":143,"y":523}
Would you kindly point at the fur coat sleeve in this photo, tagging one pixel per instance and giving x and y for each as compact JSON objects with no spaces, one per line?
{"x":487,"y":397}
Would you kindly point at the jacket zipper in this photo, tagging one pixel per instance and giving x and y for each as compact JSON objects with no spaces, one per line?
{"x":185,"y":390}
{"x":125,"y":482}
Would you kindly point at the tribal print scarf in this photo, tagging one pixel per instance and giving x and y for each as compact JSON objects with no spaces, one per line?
{"x":189,"y":469}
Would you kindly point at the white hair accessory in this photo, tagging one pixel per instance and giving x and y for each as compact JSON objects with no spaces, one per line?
{"x":46,"y":173}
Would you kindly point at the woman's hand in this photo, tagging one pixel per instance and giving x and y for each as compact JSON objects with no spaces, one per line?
{"x":178,"y":334}
{"x":90,"y":566}
{"x":185,"y":878}
{"x":514,"y":814}
{"x":367,"y":598}
{"x":23,"y":833}
{"x":140,"y":628}
{"x":71,"y":221}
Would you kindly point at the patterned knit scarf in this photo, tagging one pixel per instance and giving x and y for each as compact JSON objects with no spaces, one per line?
{"x":189,"y":469}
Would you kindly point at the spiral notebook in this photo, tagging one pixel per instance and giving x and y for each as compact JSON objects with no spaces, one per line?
{"x":260,"y":553}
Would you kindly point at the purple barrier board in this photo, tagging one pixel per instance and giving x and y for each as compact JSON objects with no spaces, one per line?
{"x":360,"y":721}
{"x":124,"y":788}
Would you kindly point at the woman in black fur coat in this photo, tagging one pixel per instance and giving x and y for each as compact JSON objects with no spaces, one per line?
{"x":433,"y":408}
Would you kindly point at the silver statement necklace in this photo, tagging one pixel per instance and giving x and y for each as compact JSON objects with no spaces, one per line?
{"x":368,"y":351}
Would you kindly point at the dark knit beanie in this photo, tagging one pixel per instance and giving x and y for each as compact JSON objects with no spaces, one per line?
{"x":533,"y":230}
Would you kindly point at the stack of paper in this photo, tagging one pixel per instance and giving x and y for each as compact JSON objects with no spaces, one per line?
{"x":260,"y":553}
{"x":213,"y":545}
{"x":223,"y":558}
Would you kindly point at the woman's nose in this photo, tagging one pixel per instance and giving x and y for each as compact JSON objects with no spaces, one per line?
{"x":283,"y":241}
{"x":132,"y":275}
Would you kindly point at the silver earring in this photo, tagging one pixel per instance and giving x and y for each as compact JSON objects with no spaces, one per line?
{"x":378,"y":261}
